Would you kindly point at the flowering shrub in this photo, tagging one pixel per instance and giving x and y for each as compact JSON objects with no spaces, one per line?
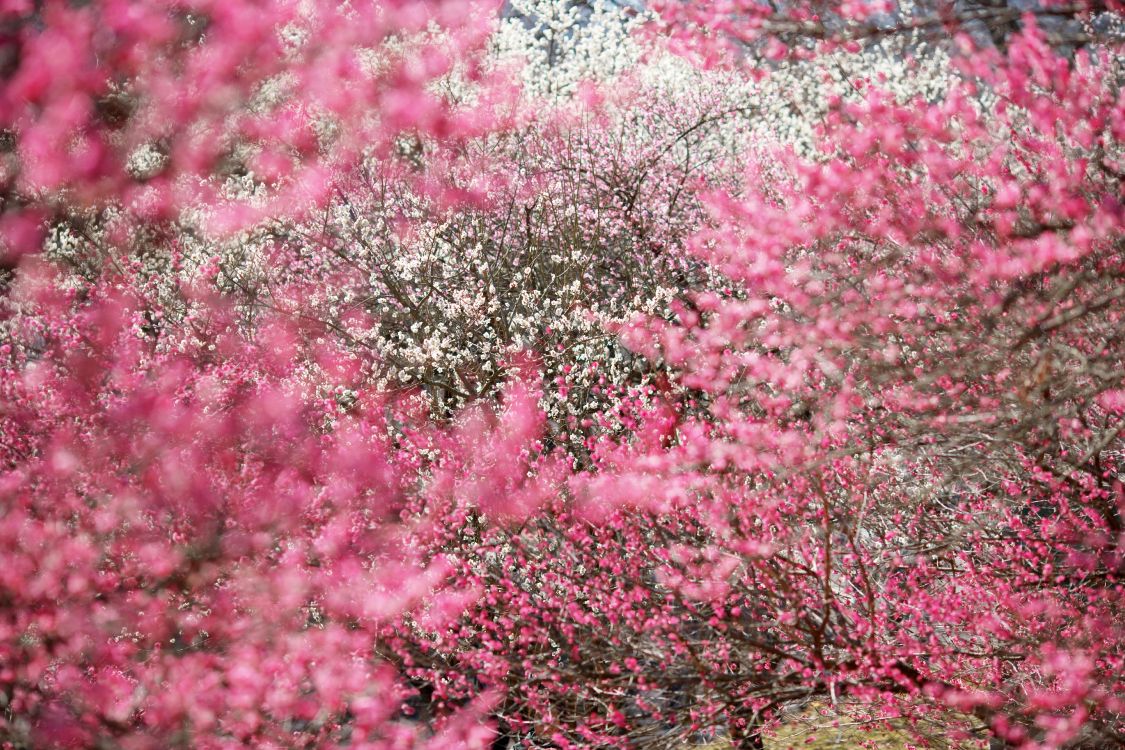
{"x":352,"y":400}
{"x":198,"y":546}
{"x":566,"y":229}
{"x":907,"y":464}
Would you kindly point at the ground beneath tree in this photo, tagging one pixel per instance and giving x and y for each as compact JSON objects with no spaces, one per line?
{"x":811,"y":730}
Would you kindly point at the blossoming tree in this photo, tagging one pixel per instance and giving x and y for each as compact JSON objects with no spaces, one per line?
{"x":903,"y":495}
{"x":308,"y":438}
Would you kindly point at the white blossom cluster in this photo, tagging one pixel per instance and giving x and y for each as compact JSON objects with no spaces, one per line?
{"x":146,"y":162}
{"x":563,"y":43}
{"x":560,"y":43}
{"x":793,"y":100}
{"x":454,"y":301}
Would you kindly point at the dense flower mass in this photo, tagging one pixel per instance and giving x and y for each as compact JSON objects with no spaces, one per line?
{"x":561,"y":374}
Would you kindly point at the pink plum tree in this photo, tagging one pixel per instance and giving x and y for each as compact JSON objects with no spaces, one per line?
{"x":903,"y":494}
{"x":199,"y":546}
